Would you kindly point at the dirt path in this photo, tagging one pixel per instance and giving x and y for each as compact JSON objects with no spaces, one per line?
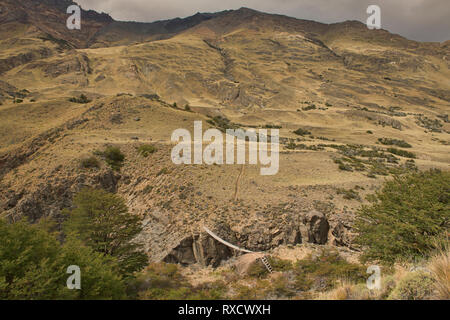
{"x":238,"y":180}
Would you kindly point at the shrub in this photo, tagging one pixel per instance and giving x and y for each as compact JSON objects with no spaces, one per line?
{"x":417,"y":285}
{"x":272,"y":126}
{"x":310,"y":107}
{"x":257,"y":291}
{"x":345,"y":167}
{"x":91,"y":162}
{"x":396,"y":142}
{"x":222,"y":123}
{"x":302,"y":132}
{"x":291,"y":145}
{"x":113,"y":157}
{"x":407,"y":218}
{"x":187,"y":108}
{"x":349,"y":194}
{"x":82,"y":99}
{"x":281,"y":287}
{"x":163,"y":281}
{"x":146,"y":149}
{"x":323,"y":272}
{"x":258,"y":270}
{"x":402,"y":153}
{"x":433,"y":125}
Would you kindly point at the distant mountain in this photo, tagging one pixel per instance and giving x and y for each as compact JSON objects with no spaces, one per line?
{"x":49,"y":17}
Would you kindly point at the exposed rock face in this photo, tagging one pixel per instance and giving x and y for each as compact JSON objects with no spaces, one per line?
{"x":23,"y":58}
{"x":315,"y":228}
{"x":310,"y":227}
{"x":183,"y":253}
{"x":342,"y":235}
{"x":50,"y":198}
{"x":200,"y":249}
{"x":301,"y":227}
{"x":203,"y":249}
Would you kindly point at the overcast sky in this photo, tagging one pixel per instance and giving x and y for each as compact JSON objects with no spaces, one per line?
{"x":423,"y":20}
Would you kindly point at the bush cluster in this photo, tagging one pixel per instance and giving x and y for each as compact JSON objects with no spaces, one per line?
{"x":407,"y":219}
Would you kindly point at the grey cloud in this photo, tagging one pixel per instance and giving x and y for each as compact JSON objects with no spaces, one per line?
{"x":423,"y":20}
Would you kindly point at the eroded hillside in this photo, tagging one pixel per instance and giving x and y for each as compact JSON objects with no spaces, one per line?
{"x":369,"y":104}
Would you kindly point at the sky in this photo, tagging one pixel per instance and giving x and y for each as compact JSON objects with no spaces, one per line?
{"x":422,"y":20}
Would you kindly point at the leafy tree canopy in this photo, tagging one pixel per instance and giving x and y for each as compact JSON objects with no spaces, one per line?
{"x":407,"y":219}
{"x":101,"y":221}
{"x":33,"y":265}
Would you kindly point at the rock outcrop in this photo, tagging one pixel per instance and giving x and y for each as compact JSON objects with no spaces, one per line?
{"x":200,"y":249}
{"x":315,"y":228}
{"x":310,"y":227}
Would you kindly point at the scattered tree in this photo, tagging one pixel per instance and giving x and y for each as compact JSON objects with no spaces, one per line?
{"x":407,"y":219}
{"x":33,"y":265}
{"x":101,"y":221}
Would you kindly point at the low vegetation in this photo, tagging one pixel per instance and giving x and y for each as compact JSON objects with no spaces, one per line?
{"x":434,"y":125}
{"x":394,"y":142}
{"x":375,"y":161}
{"x":146,"y":150}
{"x":222,"y":123}
{"x":439,"y":265}
{"x":302,"y":279}
{"x":349,"y":194}
{"x":301,"y":146}
{"x":302,"y":132}
{"x":90,"y":163}
{"x":402,"y":153}
{"x":310,"y":107}
{"x":407,"y":219}
{"x":272,"y":126}
{"x":113,"y":157}
{"x":418,"y":285}
{"x":163,"y":281}
{"x":82,"y":99}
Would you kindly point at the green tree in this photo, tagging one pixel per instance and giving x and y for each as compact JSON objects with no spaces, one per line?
{"x":33,"y":266}
{"x":407,"y":219}
{"x":101,"y":220}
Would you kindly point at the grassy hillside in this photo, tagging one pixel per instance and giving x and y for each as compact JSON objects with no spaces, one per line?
{"x":354,"y":107}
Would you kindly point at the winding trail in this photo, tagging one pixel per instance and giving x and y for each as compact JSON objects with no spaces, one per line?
{"x":238,"y":180}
